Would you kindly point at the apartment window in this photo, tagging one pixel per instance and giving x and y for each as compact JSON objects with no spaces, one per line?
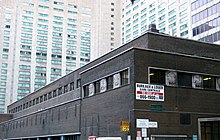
{"x":27,"y":18}
{"x":86,"y":90}
{"x":60,"y":91}
{"x":43,"y":7}
{"x":184,"y":79}
{"x":58,"y":18}
{"x":72,"y":6}
{"x":3,"y":77}
{"x":41,"y":99}
{"x":97,"y":86}
{"x":54,"y":93}
{"x":2,"y":83}
{"x":109,"y":82}
{"x":49,"y":95}
{"x":209,"y":82}
{"x":28,"y":12}
{"x":65,"y":88}
{"x":72,"y":86}
{"x":4,"y":56}
{"x":58,"y":10}
{"x":157,"y":76}
{"x":2,"y":102}
{"x":43,"y":20}
{"x":2,"y":96}
{"x":124,"y":77}
{"x":58,"y":3}
{"x":78,"y":83}
{"x":5,"y":44}
{"x":2,"y":90}
{"x":4,"y":65}
{"x":6,"y":32}
{"x":43,"y":15}
{"x":29,"y":30}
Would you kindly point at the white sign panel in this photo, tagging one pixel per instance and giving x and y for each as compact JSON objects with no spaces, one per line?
{"x":142,"y":123}
{"x":103,"y":85}
{"x":149,"y":92}
{"x":171,"y":78}
{"x":116,"y":80}
{"x":91,"y":89}
{"x":196,"y":81}
{"x":152,"y":124}
{"x":144,"y":132}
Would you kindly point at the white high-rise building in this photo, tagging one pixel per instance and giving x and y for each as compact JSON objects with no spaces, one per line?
{"x":42,"y":40}
{"x":170,"y":16}
{"x":206,"y":20}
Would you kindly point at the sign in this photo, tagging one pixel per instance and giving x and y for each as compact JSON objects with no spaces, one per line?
{"x":116,"y":80}
{"x":195,"y":137}
{"x":129,"y":137}
{"x":138,"y":133}
{"x":103,"y":85}
{"x":144,"y":132}
{"x":142,"y":123}
{"x":92,"y":138}
{"x":152,"y":124}
{"x":125,"y":126}
{"x":91,"y":89}
{"x":149,"y":92}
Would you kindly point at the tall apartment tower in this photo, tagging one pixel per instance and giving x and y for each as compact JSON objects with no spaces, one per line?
{"x":170,"y":16}
{"x":206,"y":20}
{"x":43,"y":40}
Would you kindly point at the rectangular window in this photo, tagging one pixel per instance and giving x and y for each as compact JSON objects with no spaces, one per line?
{"x":110,"y":82}
{"x":209,"y":82}
{"x":157,"y":76}
{"x":78,"y":83}
{"x":65,"y":88}
{"x":97,"y":86}
{"x":54,"y":93}
{"x":86,"y":90}
{"x":72,"y":86}
{"x":43,"y":7}
{"x":60,"y":91}
{"x":124,"y":77}
{"x":184,"y":79}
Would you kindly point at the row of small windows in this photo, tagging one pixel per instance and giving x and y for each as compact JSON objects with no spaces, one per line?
{"x":107,"y":83}
{"x":48,"y":96}
{"x":43,"y":119}
{"x":206,"y":13}
{"x":206,"y":26}
{"x":198,"y":3}
{"x":183,"y":79}
{"x":211,"y":38}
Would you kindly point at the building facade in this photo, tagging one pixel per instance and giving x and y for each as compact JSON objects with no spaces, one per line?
{"x":205,"y":20}
{"x":43,"y":40}
{"x":170,"y":16}
{"x":156,"y":86}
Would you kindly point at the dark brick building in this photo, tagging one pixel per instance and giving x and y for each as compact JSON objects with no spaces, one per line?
{"x":171,"y":83}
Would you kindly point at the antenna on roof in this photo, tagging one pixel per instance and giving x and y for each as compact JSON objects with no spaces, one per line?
{"x":132,"y":1}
